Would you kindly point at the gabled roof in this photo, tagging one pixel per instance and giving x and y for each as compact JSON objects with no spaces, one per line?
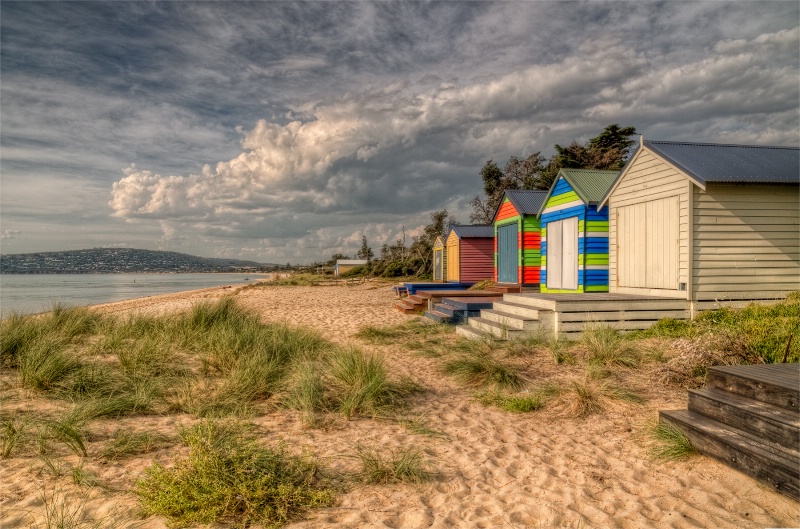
{"x":591,"y":185}
{"x":473,"y":230}
{"x":526,"y":202}
{"x":709,"y":162}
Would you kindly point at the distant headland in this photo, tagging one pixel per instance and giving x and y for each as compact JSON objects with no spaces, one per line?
{"x":122,"y":260}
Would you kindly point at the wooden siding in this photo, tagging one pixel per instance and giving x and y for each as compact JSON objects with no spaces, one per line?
{"x":746,"y":241}
{"x":506,"y":211}
{"x":648,"y":179}
{"x":453,"y":273}
{"x":477,"y":259}
{"x":592,"y":256}
{"x":529,"y":255}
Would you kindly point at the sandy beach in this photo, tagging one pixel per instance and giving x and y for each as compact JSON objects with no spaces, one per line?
{"x":495,"y":468}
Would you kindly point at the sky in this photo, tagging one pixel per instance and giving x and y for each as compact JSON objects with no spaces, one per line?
{"x":284,"y":131}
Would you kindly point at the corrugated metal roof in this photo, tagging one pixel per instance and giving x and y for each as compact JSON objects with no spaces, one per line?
{"x":526,"y":202}
{"x":590,"y":184}
{"x":708,"y":162}
{"x":473,"y":230}
{"x":348,"y":262}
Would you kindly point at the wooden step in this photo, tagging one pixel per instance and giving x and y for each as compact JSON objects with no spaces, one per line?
{"x":438,"y":317}
{"x":776,"y":384}
{"x":495,"y":329}
{"x":472,"y":333}
{"x":766,"y":461}
{"x":505,"y":288}
{"x":402,"y":307}
{"x":517,"y":309}
{"x":758,"y":418}
{"x":512,"y":321}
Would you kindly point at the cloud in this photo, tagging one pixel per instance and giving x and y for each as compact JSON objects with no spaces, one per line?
{"x":10,"y":234}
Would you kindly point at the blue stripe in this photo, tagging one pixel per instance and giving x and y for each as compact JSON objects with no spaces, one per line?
{"x":594,"y":244}
{"x":592,"y":214}
{"x":561,"y":187}
{"x":575,"y":211}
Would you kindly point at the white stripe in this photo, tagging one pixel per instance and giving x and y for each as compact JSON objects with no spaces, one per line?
{"x":597,"y":267}
{"x":568,"y":205}
{"x":596,"y":234}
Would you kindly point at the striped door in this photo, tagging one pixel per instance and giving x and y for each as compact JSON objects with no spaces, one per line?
{"x":507,"y":254}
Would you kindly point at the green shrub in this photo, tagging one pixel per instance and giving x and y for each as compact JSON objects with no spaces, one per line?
{"x":481,"y":369}
{"x":229,"y":478}
{"x":513,"y":403}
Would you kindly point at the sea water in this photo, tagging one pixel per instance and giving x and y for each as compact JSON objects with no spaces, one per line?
{"x":31,"y":293}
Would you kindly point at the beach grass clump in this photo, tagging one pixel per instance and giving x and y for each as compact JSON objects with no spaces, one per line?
{"x":13,"y":434}
{"x":518,"y":403}
{"x":227,"y":477}
{"x":358,"y":383}
{"x":306,"y":391}
{"x":607,"y":347}
{"x":582,"y":398}
{"x":416,"y":328}
{"x":481,"y":368}
{"x":381,"y":466}
{"x":44,"y":363}
{"x":670,"y":443}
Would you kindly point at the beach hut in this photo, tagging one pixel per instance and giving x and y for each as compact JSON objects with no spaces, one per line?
{"x":469,"y":254}
{"x":345,"y":265}
{"x":575,"y":232}
{"x":439,"y":261}
{"x":518,"y":241}
{"x":706,"y":222}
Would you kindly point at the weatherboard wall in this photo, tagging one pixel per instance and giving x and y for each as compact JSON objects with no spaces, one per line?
{"x":592,"y":255}
{"x":469,"y":259}
{"x":528,"y":248}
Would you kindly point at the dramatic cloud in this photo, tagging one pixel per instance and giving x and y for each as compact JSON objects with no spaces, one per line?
{"x":280,"y":131}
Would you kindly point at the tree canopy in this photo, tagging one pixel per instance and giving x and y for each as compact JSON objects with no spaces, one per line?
{"x":609,"y":150}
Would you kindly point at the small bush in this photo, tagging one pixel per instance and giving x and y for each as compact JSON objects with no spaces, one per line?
{"x":383,"y":466}
{"x":229,"y":478}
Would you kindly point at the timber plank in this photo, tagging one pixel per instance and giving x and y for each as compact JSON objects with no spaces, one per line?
{"x":776,"y":384}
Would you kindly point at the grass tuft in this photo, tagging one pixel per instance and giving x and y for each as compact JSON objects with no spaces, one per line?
{"x":124,"y":443}
{"x":384,"y":466}
{"x":670,"y":443}
{"x":482,"y":369}
{"x":513,"y":403}
{"x":229,"y":478}
{"x":607,"y":347}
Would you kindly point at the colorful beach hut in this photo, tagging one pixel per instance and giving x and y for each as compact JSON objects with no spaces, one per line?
{"x":518,"y":242}
{"x":469,"y":254}
{"x":706,"y":222}
{"x":439,"y":261}
{"x":575,"y":232}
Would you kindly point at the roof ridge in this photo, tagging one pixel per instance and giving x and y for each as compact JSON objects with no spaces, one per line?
{"x":708,"y":144}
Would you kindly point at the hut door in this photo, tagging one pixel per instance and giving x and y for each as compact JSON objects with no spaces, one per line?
{"x":437,"y":265}
{"x":562,"y":254}
{"x":507,"y":251}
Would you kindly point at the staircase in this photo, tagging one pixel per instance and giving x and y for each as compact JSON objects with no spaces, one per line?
{"x":412,"y":304}
{"x":748,"y":418}
{"x":457,"y":310}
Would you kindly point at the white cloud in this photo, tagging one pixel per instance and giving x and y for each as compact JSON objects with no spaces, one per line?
{"x":10,"y":234}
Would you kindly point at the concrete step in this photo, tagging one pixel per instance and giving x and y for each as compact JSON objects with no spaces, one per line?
{"x":512,"y":321}
{"x":757,"y":457}
{"x":447,"y":309}
{"x":752,"y":416}
{"x":495,"y":329}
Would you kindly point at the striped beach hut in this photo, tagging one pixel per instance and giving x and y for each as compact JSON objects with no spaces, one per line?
{"x":469,"y":254}
{"x":439,"y":261}
{"x":575,"y":232}
{"x":517,"y":252}
{"x":706,"y":222}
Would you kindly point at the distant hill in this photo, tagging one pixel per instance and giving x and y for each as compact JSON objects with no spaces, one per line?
{"x":120,"y":260}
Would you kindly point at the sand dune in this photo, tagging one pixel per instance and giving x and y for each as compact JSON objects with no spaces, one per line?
{"x":496,"y":469}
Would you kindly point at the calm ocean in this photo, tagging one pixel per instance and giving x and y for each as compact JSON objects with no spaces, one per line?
{"x":30,"y":293}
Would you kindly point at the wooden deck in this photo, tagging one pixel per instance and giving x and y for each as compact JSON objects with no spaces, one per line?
{"x":570,"y":314}
{"x":747,"y":417}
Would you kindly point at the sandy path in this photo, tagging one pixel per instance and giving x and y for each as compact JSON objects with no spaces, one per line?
{"x":497,"y":469}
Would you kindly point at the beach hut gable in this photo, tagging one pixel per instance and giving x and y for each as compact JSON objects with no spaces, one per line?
{"x":575,"y":232}
{"x":468,"y":254}
{"x":517,"y":254}
{"x":706,"y":222}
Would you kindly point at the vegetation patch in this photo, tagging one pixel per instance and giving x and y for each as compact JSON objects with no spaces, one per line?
{"x":519,"y":403}
{"x":483,"y":369}
{"x":670,"y":443}
{"x":383,"y":466}
{"x":228,"y":477}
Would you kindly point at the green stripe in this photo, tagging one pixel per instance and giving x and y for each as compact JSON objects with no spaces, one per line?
{"x":596,"y":259}
{"x":597,"y":225}
{"x":597,"y":288}
{"x":531,"y":223}
{"x":557,"y":200}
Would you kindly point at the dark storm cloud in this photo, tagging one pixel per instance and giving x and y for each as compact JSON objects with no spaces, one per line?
{"x":287,"y":129}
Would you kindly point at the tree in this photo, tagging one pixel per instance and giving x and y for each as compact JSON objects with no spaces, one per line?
{"x":365,"y":252}
{"x":335,"y":257}
{"x":609,"y":150}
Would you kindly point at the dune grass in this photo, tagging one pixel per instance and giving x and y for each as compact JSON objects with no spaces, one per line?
{"x":481,"y":368}
{"x":670,"y":443}
{"x":383,"y":466}
{"x":227,"y":477}
{"x":124,"y":443}
{"x":520,"y":403}
{"x":607,"y":347}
